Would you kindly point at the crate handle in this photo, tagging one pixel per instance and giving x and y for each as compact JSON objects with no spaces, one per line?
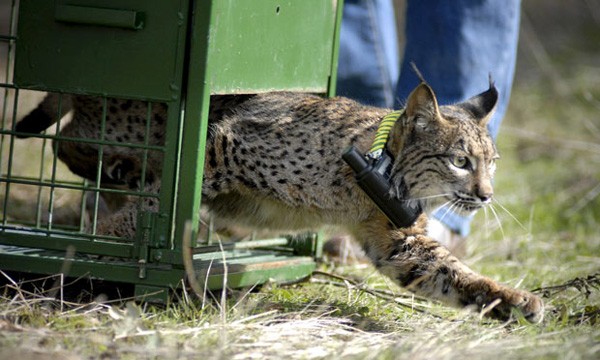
{"x":127,"y":19}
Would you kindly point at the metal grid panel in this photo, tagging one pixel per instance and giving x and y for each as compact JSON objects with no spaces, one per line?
{"x":48,"y":216}
{"x":31,"y":166}
{"x":39,"y":196}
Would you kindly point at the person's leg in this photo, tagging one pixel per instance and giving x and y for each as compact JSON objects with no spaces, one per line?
{"x":368,"y":70}
{"x":368,"y":59}
{"x":456,"y":45}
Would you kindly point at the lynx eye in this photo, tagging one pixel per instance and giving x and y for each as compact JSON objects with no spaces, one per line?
{"x":460,"y":162}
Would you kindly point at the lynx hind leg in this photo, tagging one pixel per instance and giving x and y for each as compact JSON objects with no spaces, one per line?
{"x":44,"y":115}
{"x":426,"y":268}
{"x":123,"y":222}
{"x":101,"y":207}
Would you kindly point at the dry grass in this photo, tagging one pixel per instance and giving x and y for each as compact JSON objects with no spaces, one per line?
{"x":282,"y":322}
{"x":548,"y":181}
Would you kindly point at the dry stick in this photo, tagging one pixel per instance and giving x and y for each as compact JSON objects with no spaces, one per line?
{"x":206,"y":284}
{"x":584,"y":200}
{"x":188,"y":261}
{"x":188,"y":265}
{"x":59,"y":283}
{"x":355,"y":283}
{"x":28,"y":296}
{"x":581,"y":284}
{"x":564,"y":143}
{"x":224,"y":290}
{"x":584,"y":286}
{"x":383,"y":294}
{"x":16,"y":288}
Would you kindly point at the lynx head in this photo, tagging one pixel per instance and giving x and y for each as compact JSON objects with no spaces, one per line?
{"x":444,"y":154}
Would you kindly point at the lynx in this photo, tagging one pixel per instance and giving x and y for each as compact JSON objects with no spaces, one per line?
{"x":274,"y":161}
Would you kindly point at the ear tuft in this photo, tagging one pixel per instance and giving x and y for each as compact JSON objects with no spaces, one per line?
{"x":482,"y":106}
{"x":417,"y":72}
{"x":491,"y":81}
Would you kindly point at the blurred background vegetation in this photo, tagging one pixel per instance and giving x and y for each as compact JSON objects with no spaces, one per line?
{"x":548,"y":180}
{"x":549,"y":177}
{"x":552,"y":129}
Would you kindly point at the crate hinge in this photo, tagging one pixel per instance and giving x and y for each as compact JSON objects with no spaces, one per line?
{"x":144,"y":239}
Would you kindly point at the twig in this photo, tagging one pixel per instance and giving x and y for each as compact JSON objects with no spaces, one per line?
{"x":254,"y":317}
{"x":16,"y":287}
{"x":224,"y":290}
{"x":386,"y":295}
{"x":569,"y":144}
{"x":587,"y":315}
{"x":59,"y":283}
{"x":188,"y":264}
{"x":583,"y":201}
{"x":583,"y":285}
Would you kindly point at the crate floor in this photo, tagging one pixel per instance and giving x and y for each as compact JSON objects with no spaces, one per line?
{"x":214,"y":270}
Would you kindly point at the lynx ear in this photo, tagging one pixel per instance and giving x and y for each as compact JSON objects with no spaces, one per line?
{"x":482,"y":106}
{"x":422,"y":106}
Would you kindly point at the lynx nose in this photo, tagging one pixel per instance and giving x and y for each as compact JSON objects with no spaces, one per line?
{"x":485,"y":195}
{"x":485,"y":192}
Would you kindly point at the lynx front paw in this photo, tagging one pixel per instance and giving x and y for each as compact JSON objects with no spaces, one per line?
{"x":505,"y":300}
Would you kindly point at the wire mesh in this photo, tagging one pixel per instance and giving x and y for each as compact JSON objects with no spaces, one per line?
{"x":39,"y":194}
{"x":32,"y":166}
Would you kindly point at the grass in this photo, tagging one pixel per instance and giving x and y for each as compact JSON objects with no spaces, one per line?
{"x":547,"y":239}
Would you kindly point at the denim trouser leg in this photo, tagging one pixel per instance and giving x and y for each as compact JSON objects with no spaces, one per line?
{"x":368,"y":58}
{"x":456,"y":45}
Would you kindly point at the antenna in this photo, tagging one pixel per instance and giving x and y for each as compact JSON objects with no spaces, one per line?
{"x":417,"y":72}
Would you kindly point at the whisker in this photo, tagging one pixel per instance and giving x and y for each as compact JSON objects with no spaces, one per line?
{"x":499,"y":222}
{"x":448,"y":209}
{"x":454,"y":202}
{"x":446,"y":203}
{"x":432,"y":209}
{"x":510,"y":214}
{"x":486,"y":222}
{"x":459,"y":208}
{"x":430,"y":197}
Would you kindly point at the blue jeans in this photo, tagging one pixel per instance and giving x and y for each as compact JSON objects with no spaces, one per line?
{"x":368,"y":59}
{"x":455,"y":44}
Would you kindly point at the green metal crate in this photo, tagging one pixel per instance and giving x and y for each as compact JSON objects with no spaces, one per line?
{"x":174,"y":52}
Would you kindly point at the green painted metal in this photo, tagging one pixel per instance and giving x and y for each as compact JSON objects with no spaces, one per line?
{"x":299,"y":60}
{"x":249,"y":268}
{"x":294,"y":270}
{"x":193,"y":140}
{"x":244,"y":268}
{"x":305,"y":244}
{"x":335,"y":50}
{"x":271,"y":45}
{"x":72,"y":57}
{"x":177,"y":52}
{"x":162,"y":233}
{"x":248,"y":244}
{"x":85,"y":15}
{"x":55,"y":262}
{"x":56,"y":241}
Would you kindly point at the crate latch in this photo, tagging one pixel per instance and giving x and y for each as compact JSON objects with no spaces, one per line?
{"x":144,"y":235}
{"x":84,"y":15}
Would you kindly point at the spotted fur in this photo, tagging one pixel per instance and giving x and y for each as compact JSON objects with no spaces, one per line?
{"x":274,"y":161}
